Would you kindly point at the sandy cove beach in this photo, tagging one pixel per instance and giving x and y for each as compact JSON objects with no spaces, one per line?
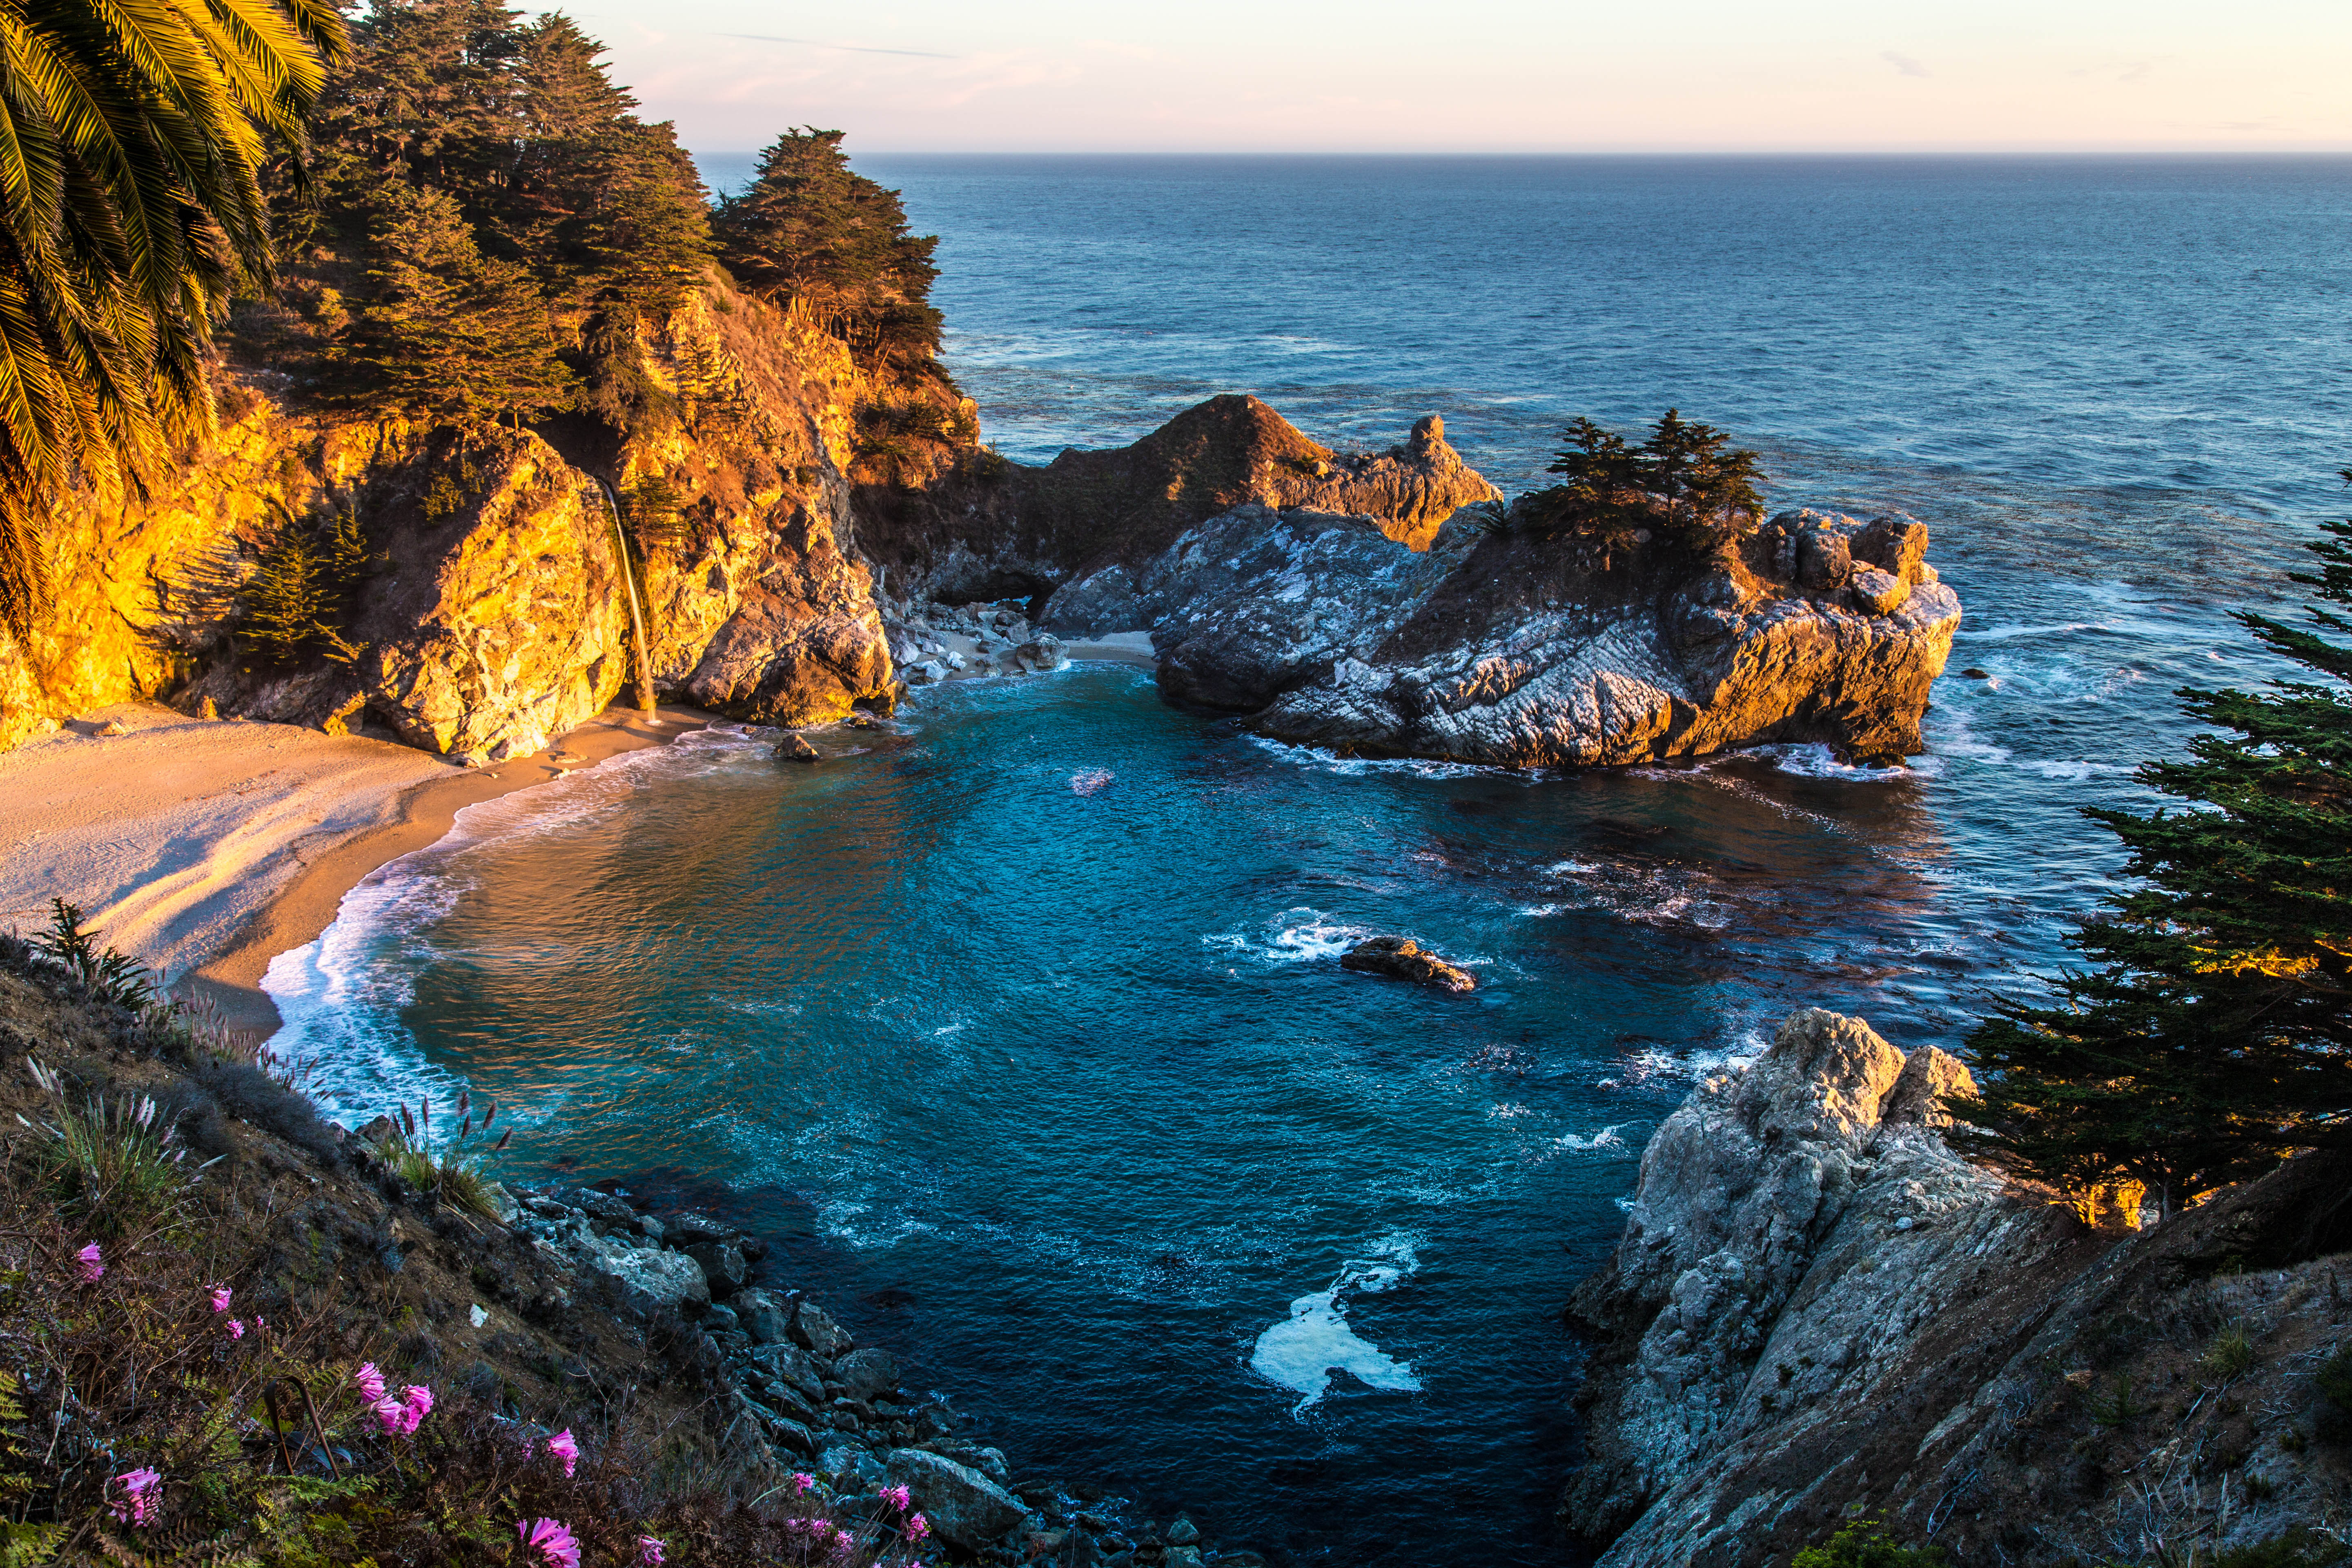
{"x":205,"y":849}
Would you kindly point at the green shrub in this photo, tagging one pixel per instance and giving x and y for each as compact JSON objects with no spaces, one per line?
{"x":115,"y":978}
{"x":2231,"y":1353}
{"x":2297,"y":1548}
{"x":1864,"y":1544}
{"x":113,"y":1164}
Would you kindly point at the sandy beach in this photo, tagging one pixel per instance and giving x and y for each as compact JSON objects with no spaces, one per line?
{"x":205,"y":849}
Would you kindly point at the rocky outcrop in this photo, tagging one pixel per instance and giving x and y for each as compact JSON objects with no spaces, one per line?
{"x":1007,"y":529}
{"x":494,"y":613}
{"x":1496,"y":646}
{"x":1401,"y":958}
{"x":1817,"y":1306}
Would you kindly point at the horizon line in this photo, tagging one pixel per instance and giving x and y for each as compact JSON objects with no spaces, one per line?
{"x":2342,"y":152}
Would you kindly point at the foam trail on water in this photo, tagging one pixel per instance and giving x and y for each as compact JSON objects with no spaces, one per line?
{"x":1300,"y":1352}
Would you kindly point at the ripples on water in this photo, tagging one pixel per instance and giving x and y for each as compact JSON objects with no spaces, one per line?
{"x":1024,"y":1034}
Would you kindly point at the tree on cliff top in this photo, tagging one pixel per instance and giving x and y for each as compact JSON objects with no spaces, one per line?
{"x":445,"y":330}
{"x":1685,"y":481}
{"x":132,"y":140}
{"x":2214,"y":1037}
{"x":811,"y":232}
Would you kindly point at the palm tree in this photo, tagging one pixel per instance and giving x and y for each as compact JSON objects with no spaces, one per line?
{"x":133,"y":135}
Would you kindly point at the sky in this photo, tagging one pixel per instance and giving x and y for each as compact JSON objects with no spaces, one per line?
{"x":1494,"y":76}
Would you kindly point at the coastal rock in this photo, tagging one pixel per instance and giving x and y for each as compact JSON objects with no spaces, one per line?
{"x":814,"y":1330}
{"x":1020,"y":531}
{"x":649,"y":1278}
{"x":1401,"y":958}
{"x":1499,"y":646}
{"x":723,"y":1264}
{"x":964,"y":1507}
{"x":869,"y":1374}
{"x":796,"y":749}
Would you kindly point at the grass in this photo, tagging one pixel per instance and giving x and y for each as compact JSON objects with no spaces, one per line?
{"x":112,"y":1164}
{"x":2233,"y":1352}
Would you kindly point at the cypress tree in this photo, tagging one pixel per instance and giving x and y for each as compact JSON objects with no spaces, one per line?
{"x":2212,"y":1039}
{"x":445,"y":331}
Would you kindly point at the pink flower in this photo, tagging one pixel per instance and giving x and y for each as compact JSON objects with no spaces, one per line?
{"x":649,"y":1552}
{"x":917,"y":1527}
{"x":564,"y":1448}
{"x":370,"y":1383}
{"x":898,"y":1498}
{"x":551,"y":1542}
{"x":403,"y":1415}
{"x":92,"y":1265}
{"x":220,"y":1298}
{"x":801,"y":1481}
{"x":236,"y":1329}
{"x":843,"y":1540}
{"x":139,"y":1493}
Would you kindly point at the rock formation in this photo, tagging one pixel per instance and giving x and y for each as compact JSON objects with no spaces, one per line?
{"x":1401,"y":958}
{"x":494,"y":614}
{"x":1496,"y":646}
{"x":1816,"y":1306}
{"x":1007,"y":530}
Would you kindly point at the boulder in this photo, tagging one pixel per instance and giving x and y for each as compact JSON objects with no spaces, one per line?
{"x":1876,"y":592}
{"x":796,"y":749}
{"x":1824,"y":560}
{"x":1896,"y":544}
{"x":1403,"y":959}
{"x":868,"y":1375}
{"x":964,"y":1508}
{"x":650,"y":1278}
{"x":763,"y":1316}
{"x":722,"y":1263}
{"x":791,"y":1364}
{"x":814,"y":1330}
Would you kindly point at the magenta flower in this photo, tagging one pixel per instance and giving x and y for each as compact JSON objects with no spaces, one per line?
{"x":649,"y":1552}
{"x":551,"y":1541}
{"x":843,"y":1540}
{"x":403,"y":1415}
{"x":564,"y":1448}
{"x":92,"y":1265}
{"x":801,"y":1481}
{"x":917,"y":1527}
{"x":236,"y":1329}
{"x":370,"y":1383}
{"x":898,"y":1498}
{"x":140,"y":1499}
{"x":220,"y":1298}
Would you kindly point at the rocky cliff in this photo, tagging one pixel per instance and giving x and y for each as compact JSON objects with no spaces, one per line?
{"x":1001,"y":530}
{"x":1818,"y":1309}
{"x":493,"y":612}
{"x":1496,"y":646}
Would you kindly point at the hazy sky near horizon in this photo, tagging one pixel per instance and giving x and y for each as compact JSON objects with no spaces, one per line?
{"x":1502,"y":76}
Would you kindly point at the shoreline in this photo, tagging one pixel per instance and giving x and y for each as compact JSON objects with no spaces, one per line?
{"x":207,"y":848}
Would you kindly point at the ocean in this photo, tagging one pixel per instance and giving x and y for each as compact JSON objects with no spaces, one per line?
{"x":1052,"y":1084}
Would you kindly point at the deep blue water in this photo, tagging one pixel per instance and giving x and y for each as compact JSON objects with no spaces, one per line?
{"x":1063,"y":1096}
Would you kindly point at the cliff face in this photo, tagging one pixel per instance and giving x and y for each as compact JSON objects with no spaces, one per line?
{"x":493,"y":613}
{"x":1494,"y":646}
{"x":1817,"y":1307}
{"x":1005,"y":530}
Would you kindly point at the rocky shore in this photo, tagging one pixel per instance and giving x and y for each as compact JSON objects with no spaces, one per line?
{"x":1820,"y":1310}
{"x":790,"y":1379}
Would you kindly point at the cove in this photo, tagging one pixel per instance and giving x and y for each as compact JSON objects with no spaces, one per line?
{"x":1050,"y":1081}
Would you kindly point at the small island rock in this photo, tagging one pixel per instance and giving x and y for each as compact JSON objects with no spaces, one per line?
{"x":1403,"y":959}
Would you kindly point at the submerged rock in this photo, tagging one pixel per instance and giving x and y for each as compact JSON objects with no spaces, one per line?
{"x":1403,"y":959}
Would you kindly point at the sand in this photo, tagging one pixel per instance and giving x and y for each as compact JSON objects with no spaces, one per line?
{"x":204,"y":850}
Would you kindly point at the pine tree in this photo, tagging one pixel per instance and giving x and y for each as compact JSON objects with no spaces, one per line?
{"x":445,"y":331}
{"x":1685,"y":481}
{"x":811,"y":231}
{"x":2213,"y":1039}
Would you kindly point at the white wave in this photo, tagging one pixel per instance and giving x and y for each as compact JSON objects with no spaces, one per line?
{"x":1653,"y":1062}
{"x":1512,"y":1112}
{"x":1300,"y":1352}
{"x":1815,"y":761}
{"x":1089,"y":781}
{"x":1606,"y":1139}
{"x":1352,"y":767}
{"x":2010,"y":633}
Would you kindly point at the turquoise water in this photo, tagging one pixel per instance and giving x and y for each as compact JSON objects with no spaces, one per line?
{"x":1053,"y":1084}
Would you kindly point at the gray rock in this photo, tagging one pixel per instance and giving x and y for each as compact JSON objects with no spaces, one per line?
{"x":689,"y":1227}
{"x":1824,"y":560}
{"x":649,"y":1278}
{"x":792,"y":1435}
{"x":1876,"y":592}
{"x":1182,"y":1557}
{"x":869,"y":1374}
{"x":1896,"y":544}
{"x":763,"y":1316}
{"x":1183,"y":1532}
{"x":849,"y":1468}
{"x":723,"y":1264}
{"x":814,"y":1330}
{"x":796,"y":749}
{"x":721,"y":1320}
{"x":965,"y":1508}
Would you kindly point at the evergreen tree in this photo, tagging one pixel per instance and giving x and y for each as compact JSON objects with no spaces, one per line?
{"x":1685,"y":481}
{"x":812,"y":232}
{"x":2213,"y":1039}
{"x":296,"y":600}
{"x":444,"y":330}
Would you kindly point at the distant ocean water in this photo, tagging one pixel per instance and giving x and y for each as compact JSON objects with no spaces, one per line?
{"x":1049,"y":1080}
